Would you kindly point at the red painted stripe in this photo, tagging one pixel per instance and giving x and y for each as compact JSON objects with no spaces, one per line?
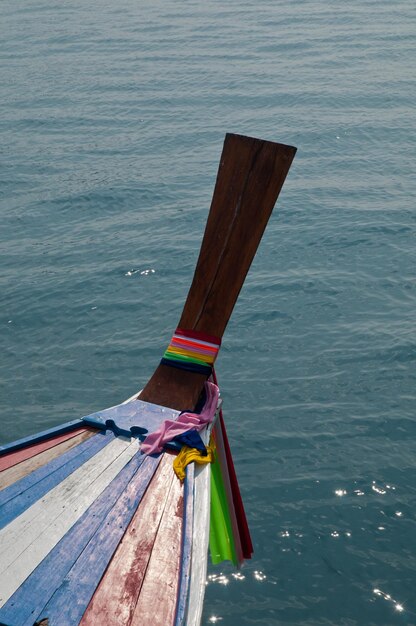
{"x":158,"y":598}
{"x":118,"y":593}
{"x":24,"y":468}
{"x":13,"y":458}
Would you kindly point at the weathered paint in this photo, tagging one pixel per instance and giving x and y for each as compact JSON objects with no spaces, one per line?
{"x":157,"y":601}
{"x":34,"y":594}
{"x":21,"y":495}
{"x":186,"y":552}
{"x":116,"y":596}
{"x":46,"y":452}
{"x":50,"y":433}
{"x":17,"y":456}
{"x":71,"y":599}
{"x":131,"y":418}
{"x":199,"y":546}
{"x":26,"y":541}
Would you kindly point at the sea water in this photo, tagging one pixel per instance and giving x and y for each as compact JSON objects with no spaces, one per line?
{"x":112,"y":118}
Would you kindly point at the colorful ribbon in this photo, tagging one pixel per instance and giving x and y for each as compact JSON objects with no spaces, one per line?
{"x":170,"y":429}
{"x":192,"y":350}
{"x":229,"y":533}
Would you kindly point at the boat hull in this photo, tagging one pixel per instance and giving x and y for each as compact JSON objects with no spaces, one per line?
{"x":93,"y":531}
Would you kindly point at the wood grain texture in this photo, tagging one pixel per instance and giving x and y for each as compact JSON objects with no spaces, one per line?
{"x":70,"y":601}
{"x":115,"y":599}
{"x":19,"y":496}
{"x":15,"y":457}
{"x":25,"y":542}
{"x":187,"y":543}
{"x":250,"y":176}
{"x":156,"y":605}
{"x":198,"y":577}
{"x":36,"y":591}
{"x":50,"y":433}
{"x":19,"y":469}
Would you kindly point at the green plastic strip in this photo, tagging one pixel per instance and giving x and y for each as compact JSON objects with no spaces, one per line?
{"x":221,"y":542}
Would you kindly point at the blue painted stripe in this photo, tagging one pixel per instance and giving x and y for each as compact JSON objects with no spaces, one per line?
{"x":38,"y":437}
{"x":187,"y":537}
{"x":27,"y":481}
{"x":61,"y":587}
{"x":87,"y":571}
{"x":21,"y":495}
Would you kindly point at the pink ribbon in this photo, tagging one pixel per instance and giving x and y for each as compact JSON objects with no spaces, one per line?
{"x":170,"y":429}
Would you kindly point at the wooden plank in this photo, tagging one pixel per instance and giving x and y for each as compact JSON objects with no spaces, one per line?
{"x":17,"y":456}
{"x":186,"y":551}
{"x":42,"y":436}
{"x":36,"y":591}
{"x":201,"y":526}
{"x":200,"y":545}
{"x":18,"y":469}
{"x":30,"y":537}
{"x":250,"y":176}
{"x":22,"y":494}
{"x":116,"y":597}
{"x":156,"y":605}
{"x":71,"y":599}
{"x":131,"y":418}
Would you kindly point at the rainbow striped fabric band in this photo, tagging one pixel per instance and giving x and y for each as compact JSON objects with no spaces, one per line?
{"x":192,"y":350}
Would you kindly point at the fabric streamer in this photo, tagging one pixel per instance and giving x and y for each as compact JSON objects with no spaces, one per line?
{"x":243,"y":529}
{"x":155,"y":441}
{"x":191,"y":455}
{"x":229,"y":533}
{"x":192,"y":439}
{"x":192,"y":350}
{"x":221,"y":540}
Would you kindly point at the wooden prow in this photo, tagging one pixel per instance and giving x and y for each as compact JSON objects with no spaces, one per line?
{"x":250,"y":176}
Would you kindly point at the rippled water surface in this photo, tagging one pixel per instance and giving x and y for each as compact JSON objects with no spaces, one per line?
{"x":112,"y":118}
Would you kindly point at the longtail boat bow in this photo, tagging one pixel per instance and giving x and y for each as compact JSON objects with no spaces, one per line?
{"x":96,"y":525}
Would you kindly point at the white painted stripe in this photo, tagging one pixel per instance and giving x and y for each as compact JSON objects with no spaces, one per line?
{"x":201,"y":525}
{"x":202,"y":501}
{"x":32,"y":535}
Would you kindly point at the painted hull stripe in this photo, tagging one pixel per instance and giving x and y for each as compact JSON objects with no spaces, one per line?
{"x":33,"y":595}
{"x":187,"y":530}
{"x":35,"y":532}
{"x":81,"y":581}
{"x":24,"y":468}
{"x":42,"y":436}
{"x":15,"y":499}
{"x":119,"y":589}
{"x":13,"y":458}
{"x":28,"y":481}
{"x":157,"y":601}
{"x":200,"y":545}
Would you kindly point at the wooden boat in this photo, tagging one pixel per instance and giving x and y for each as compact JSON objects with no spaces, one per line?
{"x":95,"y":526}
